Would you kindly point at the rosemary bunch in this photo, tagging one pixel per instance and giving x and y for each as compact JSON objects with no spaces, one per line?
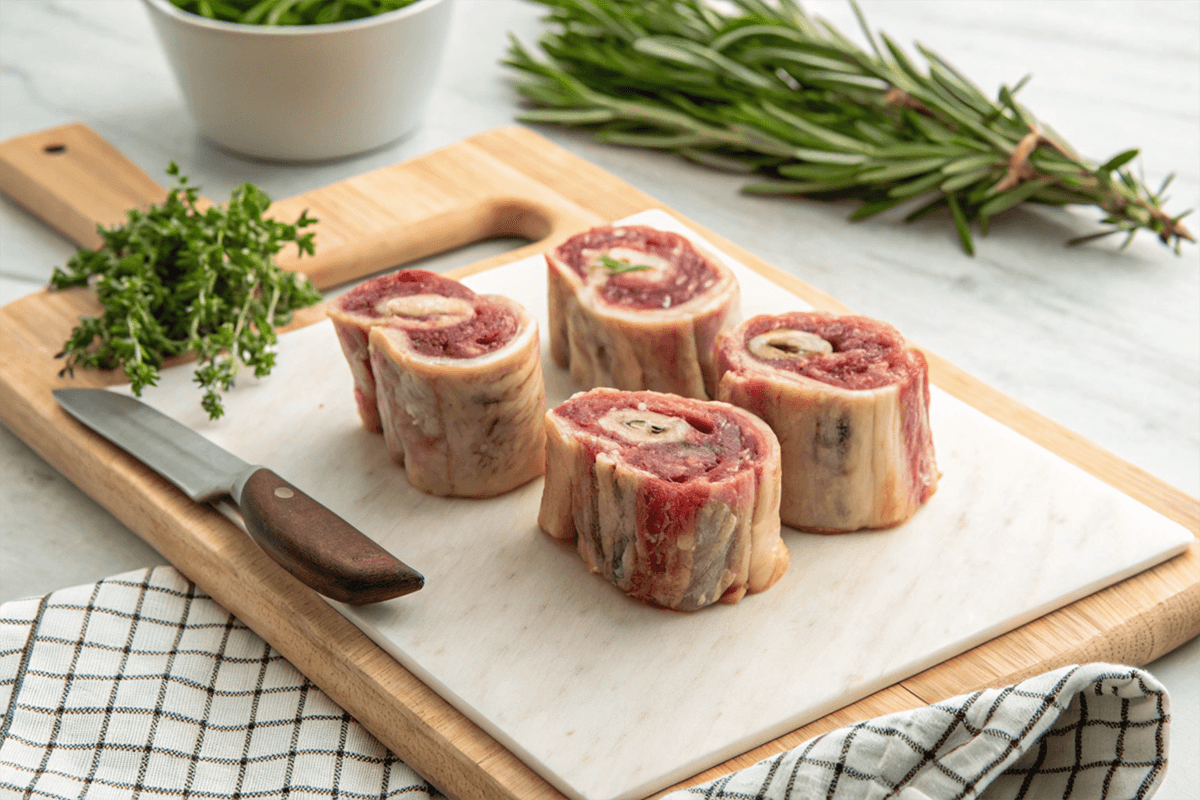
{"x":769,"y":90}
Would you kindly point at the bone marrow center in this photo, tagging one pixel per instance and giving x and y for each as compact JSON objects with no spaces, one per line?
{"x":788,"y":343}
{"x":598,"y":272}
{"x":433,"y":309}
{"x":638,"y":426}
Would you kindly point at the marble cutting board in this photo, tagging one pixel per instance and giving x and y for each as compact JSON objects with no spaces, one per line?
{"x":609,"y":699}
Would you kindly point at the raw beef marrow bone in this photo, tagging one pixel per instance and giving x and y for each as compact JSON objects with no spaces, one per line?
{"x":633,"y":308}
{"x":848,"y":398}
{"x":675,"y":501}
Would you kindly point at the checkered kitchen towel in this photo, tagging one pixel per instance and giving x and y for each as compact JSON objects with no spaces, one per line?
{"x":1092,"y":732}
{"x":140,"y":686}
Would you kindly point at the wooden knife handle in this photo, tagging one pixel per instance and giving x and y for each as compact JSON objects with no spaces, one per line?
{"x":317,"y":546}
{"x":72,"y":179}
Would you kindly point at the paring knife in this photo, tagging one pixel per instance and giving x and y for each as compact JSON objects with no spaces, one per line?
{"x":307,"y":539}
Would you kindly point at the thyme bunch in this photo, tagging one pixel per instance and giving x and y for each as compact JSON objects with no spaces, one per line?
{"x":769,"y":90}
{"x":176,"y":279}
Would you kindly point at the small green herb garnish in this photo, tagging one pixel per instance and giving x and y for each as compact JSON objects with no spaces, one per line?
{"x":175,"y":279}
{"x":289,"y":12}
{"x":616,"y":267}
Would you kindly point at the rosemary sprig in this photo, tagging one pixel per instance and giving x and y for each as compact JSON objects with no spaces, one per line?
{"x":175,"y":279}
{"x":769,"y":90}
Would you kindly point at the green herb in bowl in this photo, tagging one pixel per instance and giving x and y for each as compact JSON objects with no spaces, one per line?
{"x":289,"y":12}
{"x":178,"y":279}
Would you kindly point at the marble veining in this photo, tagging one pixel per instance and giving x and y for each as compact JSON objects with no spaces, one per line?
{"x":610,"y":699}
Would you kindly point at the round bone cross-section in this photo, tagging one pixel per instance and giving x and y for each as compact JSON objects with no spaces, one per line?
{"x":633,"y":307}
{"x":848,"y":398}
{"x":452,"y":379}
{"x":673,"y":500}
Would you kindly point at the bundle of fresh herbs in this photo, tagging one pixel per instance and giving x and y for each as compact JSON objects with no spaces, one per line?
{"x":177,"y":279}
{"x":767,"y":89}
{"x":289,"y":12}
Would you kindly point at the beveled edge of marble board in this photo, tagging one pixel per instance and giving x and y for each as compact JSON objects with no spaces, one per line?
{"x":1173,"y":585}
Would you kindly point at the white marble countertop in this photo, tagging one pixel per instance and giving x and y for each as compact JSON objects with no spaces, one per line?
{"x":1104,"y":342}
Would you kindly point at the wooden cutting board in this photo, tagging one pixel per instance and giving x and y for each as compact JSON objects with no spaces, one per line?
{"x":508,"y":181}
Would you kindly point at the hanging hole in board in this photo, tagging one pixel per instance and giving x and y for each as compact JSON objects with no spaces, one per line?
{"x":55,"y":149}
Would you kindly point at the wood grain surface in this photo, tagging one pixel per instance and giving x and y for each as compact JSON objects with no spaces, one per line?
{"x":507,"y":181}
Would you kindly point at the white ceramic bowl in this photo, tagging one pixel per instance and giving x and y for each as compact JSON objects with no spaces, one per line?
{"x":305,"y":92}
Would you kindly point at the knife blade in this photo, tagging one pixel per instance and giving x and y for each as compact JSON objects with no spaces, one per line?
{"x":304,"y":537}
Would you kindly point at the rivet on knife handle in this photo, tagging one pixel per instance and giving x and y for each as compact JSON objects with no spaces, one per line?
{"x":317,"y":546}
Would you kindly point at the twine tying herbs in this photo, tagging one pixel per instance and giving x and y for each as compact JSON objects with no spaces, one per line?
{"x":768,"y":90}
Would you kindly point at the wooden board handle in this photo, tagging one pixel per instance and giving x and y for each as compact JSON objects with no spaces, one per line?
{"x":72,"y":179}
